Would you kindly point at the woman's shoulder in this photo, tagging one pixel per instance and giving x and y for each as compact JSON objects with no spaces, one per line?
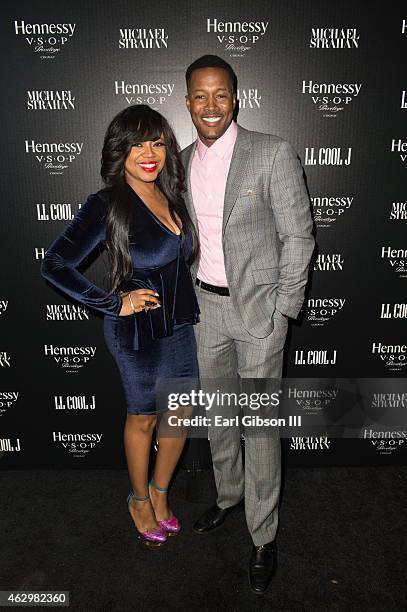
{"x":104,"y":194}
{"x":98,"y":200}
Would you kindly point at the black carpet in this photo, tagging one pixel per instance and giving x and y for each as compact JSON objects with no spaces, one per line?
{"x":341,"y":543}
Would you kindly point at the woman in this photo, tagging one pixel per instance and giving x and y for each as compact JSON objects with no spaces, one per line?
{"x":141,"y":219}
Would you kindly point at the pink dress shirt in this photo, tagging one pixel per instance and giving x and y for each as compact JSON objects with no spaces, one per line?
{"x":209,"y":172}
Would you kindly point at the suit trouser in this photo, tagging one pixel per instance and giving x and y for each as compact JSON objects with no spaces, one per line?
{"x":227,"y":350}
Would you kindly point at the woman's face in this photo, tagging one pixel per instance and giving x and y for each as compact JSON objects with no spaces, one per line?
{"x":145,"y":161}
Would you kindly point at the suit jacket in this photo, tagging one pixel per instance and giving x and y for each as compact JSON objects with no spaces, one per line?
{"x":267,"y":225}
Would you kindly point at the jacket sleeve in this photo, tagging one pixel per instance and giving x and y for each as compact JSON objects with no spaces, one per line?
{"x":291,"y":209}
{"x":82,"y":234}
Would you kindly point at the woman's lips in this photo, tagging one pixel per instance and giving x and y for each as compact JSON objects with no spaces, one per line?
{"x":149,"y":166}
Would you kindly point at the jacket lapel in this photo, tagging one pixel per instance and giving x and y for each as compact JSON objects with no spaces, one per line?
{"x":189,"y":156}
{"x":236,"y":174}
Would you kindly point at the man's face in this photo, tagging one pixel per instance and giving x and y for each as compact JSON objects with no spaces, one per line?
{"x":211,"y":102}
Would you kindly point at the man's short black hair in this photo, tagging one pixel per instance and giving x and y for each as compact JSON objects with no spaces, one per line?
{"x":211,"y":61}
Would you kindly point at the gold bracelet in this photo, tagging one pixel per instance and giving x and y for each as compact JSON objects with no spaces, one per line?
{"x":131,"y":302}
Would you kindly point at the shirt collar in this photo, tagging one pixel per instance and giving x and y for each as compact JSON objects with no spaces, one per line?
{"x":222,"y":145}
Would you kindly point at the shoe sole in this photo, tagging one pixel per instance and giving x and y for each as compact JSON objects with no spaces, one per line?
{"x":152,"y":544}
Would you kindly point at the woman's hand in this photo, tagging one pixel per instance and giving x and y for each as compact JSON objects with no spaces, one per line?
{"x":139,"y":297}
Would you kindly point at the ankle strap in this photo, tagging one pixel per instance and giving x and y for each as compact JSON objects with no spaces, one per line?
{"x":137,"y":497}
{"x":155,"y":486}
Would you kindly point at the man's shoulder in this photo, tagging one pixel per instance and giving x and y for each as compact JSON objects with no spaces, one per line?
{"x":271,"y":144}
{"x":263,"y":138}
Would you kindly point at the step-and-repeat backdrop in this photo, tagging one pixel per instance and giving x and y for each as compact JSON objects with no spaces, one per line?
{"x":329,"y":77}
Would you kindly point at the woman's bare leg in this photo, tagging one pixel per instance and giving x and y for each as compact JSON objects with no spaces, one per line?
{"x":137,"y":443}
{"x":169,"y":451}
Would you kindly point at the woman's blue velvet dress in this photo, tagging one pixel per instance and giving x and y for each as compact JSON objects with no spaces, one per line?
{"x":147,"y":347}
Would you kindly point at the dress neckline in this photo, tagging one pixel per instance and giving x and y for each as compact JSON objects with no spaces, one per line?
{"x":163,"y":225}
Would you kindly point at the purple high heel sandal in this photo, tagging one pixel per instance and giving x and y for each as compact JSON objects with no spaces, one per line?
{"x":172,"y":525}
{"x":154,"y":537}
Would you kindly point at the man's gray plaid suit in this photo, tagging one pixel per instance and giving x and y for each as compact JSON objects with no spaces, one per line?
{"x":267,"y":246}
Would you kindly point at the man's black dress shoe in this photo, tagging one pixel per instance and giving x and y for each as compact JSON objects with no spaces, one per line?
{"x":211,"y":518}
{"x":261,"y":567}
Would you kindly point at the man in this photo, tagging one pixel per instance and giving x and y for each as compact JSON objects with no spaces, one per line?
{"x":248,"y":200}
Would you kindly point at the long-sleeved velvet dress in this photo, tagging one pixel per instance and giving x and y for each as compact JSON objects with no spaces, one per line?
{"x":147,"y":347}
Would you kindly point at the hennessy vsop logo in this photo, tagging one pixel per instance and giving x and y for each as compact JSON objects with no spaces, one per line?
{"x":394,"y":356}
{"x":397,"y":259}
{"x":39,"y":252}
{"x":77,"y":444}
{"x":54,"y":156}
{"x":327,"y":209}
{"x":331,"y":98}
{"x":70,"y":358}
{"x":238,"y":37}
{"x":45,"y":38}
{"x":312,"y":400}
{"x":320,"y":310}
{"x":153,"y":94}
{"x":400,"y":147}
{"x":7,"y":399}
